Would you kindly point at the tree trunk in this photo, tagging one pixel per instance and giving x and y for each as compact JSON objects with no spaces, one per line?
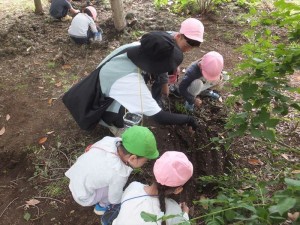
{"x":118,"y":14}
{"x":38,"y":7}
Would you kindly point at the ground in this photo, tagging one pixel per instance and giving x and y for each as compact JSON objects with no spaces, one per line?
{"x":41,"y":140}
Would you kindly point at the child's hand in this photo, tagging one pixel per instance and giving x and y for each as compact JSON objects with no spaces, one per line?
{"x":198,"y":102}
{"x":184,"y":207}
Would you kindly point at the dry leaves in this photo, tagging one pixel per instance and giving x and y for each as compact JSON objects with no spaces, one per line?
{"x":58,"y":84}
{"x":255,"y":162}
{"x":50,"y":132}
{"x":2,"y":131}
{"x":7,"y":117}
{"x":289,"y":158}
{"x":66,"y":67}
{"x":50,"y":101}
{"x":295,"y":171}
{"x":31,"y":202}
{"x":43,"y":140}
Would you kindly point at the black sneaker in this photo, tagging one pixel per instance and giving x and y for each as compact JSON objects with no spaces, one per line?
{"x":173,"y":89}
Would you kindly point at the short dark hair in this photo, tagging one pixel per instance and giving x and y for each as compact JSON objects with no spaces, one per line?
{"x":191,"y":42}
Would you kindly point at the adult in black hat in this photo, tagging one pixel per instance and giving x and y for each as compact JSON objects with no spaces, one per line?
{"x":121,"y":81}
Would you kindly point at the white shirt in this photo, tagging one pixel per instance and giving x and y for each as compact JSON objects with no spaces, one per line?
{"x":121,"y":80}
{"x":131,"y":209}
{"x":80,"y":25}
{"x":99,"y":168}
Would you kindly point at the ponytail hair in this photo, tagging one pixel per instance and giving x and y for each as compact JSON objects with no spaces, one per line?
{"x":162,"y":193}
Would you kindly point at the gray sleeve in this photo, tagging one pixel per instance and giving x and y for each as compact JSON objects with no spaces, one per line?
{"x":192,"y":73}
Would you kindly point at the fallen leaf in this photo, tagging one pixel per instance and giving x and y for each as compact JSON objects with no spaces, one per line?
{"x":255,"y":162}
{"x":295,"y":171}
{"x":32,"y":202}
{"x":293,"y":216}
{"x":43,"y":140}
{"x":286,"y":156}
{"x":26,"y":216}
{"x":7,"y":117}
{"x":66,"y":66}
{"x":50,"y":132}
{"x":58,"y":84}
{"x":41,"y":87}
{"x":2,"y":131}
{"x":50,"y":101}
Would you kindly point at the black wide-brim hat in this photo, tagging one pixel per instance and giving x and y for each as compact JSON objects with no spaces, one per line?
{"x":158,"y":53}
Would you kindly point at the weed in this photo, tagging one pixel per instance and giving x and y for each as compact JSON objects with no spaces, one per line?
{"x":180,"y":108}
{"x":56,"y":189}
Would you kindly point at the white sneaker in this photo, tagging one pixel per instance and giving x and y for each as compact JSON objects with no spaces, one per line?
{"x":116,"y":131}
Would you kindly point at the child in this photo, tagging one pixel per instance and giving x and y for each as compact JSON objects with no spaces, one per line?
{"x":189,"y":36}
{"x":83,"y":27}
{"x":59,"y":9}
{"x":171,"y":171}
{"x":199,"y":76}
{"x":99,"y":175}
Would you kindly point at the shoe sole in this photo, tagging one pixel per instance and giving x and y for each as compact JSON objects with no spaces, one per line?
{"x":99,"y":213}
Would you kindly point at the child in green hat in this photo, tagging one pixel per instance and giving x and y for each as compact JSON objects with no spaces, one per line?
{"x":99,"y":175}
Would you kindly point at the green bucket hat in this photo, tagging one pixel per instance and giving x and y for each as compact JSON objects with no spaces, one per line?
{"x":140,"y":141}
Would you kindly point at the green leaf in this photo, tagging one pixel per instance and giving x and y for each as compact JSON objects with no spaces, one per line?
{"x":27,"y":216}
{"x":272,"y":123}
{"x":283,"y":206}
{"x":238,"y":120}
{"x":269,"y":134}
{"x":248,"y":90}
{"x":164,"y":218}
{"x":230,"y":215}
{"x":291,"y":182}
{"x":247,"y":106}
{"x":256,"y":133}
{"x":262,"y":212}
{"x":148,"y":217}
{"x":296,"y":106}
{"x":249,"y":207}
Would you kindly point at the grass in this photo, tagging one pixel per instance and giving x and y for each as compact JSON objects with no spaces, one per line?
{"x":57,"y":188}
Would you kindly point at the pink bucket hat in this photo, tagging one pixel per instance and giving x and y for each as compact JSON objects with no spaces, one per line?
{"x":173,"y":169}
{"x":192,"y":29}
{"x":211,"y":65}
{"x":93,"y":11}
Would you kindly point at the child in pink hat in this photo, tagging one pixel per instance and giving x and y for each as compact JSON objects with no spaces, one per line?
{"x":189,"y":36}
{"x":200,"y":76}
{"x":83,"y":28}
{"x":171,"y":171}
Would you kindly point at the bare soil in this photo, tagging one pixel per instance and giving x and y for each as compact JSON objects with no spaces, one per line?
{"x":41,"y":140}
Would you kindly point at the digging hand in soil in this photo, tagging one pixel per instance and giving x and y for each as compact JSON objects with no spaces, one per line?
{"x":184,"y":207}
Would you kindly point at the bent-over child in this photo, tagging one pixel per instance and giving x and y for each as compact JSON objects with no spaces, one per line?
{"x":99,"y":175}
{"x":201,"y":75}
{"x":171,"y":171}
{"x":83,"y":27}
{"x":59,"y":9}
